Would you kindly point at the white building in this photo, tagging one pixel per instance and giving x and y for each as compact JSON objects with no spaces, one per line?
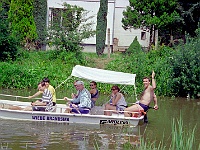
{"x":120,"y":39}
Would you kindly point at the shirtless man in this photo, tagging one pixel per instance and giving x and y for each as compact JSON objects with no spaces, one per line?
{"x":146,"y":97}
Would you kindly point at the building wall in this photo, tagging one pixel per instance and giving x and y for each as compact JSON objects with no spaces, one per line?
{"x":114,"y":17}
{"x":125,"y":37}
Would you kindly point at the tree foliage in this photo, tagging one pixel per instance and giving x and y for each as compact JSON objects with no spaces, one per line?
{"x":22,"y":21}
{"x":40,"y":16}
{"x":170,"y":17}
{"x":8,"y":44}
{"x":186,"y":68}
{"x":153,"y":15}
{"x":189,"y":11}
{"x":101,"y":27}
{"x":147,"y":13}
{"x":69,"y":27}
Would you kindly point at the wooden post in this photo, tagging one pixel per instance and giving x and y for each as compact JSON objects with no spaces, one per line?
{"x":108,"y":42}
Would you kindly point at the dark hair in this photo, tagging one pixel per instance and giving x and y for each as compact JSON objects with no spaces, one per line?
{"x":93,"y":82}
{"x":42,"y":83}
{"x":46,"y":80}
{"x":116,"y":87}
{"x":147,"y":78}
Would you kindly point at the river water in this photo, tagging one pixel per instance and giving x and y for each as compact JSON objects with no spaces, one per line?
{"x":17,"y":135}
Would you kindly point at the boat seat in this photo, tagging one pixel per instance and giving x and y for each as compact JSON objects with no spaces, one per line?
{"x":117,"y":114}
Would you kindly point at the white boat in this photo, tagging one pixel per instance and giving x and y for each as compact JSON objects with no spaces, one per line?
{"x":58,"y":114}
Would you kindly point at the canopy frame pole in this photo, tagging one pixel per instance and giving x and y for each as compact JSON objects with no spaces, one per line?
{"x":135,"y":93}
{"x":63,"y":82}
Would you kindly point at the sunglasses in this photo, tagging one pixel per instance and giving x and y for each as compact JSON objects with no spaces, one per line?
{"x":75,"y":85}
{"x":91,"y":84}
{"x":113,"y":89}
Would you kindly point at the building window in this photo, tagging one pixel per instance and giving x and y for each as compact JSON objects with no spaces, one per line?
{"x":143,"y":35}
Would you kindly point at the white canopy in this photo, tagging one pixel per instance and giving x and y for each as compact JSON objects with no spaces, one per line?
{"x":103,"y":76}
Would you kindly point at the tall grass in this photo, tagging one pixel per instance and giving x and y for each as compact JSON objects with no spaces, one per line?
{"x":180,"y":140}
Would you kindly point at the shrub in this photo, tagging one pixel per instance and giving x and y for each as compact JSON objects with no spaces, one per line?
{"x":186,"y":68}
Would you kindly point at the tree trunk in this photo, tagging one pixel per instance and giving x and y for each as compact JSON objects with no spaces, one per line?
{"x":156,"y":39}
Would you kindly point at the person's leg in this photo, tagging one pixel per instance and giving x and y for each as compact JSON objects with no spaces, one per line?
{"x":8,"y":106}
{"x":109,"y":107}
{"x":68,"y":110}
{"x":84,"y":110}
{"x":14,"y":107}
{"x":133,"y":108}
{"x":28,"y":108}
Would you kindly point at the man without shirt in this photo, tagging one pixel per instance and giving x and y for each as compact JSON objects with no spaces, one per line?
{"x":146,"y":97}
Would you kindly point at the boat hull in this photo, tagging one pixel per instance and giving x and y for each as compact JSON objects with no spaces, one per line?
{"x":60,"y":116}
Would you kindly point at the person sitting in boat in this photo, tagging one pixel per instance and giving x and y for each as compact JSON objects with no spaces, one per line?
{"x":50,"y":88}
{"x":84,"y":98}
{"x":74,"y":99}
{"x":146,"y":97}
{"x":46,"y":100}
{"x":117,"y":102}
{"x":94,"y":93}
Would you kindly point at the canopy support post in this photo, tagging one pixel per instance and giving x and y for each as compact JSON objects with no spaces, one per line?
{"x":63,"y":82}
{"x":135,"y":93}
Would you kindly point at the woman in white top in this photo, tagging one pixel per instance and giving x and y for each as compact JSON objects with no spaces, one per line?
{"x":117,"y":101}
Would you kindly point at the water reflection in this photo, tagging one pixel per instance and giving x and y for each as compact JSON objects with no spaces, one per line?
{"x":46,"y":135}
{"x":40,"y":135}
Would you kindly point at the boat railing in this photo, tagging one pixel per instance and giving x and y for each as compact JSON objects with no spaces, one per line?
{"x":23,"y":97}
{"x":15,"y":106}
{"x":16,"y":97}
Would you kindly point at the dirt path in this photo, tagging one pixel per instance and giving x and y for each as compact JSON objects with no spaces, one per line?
{"x":102,"y":62}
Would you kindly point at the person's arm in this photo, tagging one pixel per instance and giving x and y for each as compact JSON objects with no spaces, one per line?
{"x":155,"y":102}
{"x":115,"y":99}
{"x":153,"y":80}
{"x":75,"y":100}
{"x":35,"y":95}
{"x":68,"y":99}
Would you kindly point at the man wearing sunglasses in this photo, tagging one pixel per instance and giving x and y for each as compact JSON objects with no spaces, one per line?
{"x":84,"y":100}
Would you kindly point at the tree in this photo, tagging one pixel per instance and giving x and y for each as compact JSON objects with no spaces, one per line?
{"x":22,"y":22}
{"x":8,"y":44}
{"x":150,"y":14}
{"x":68,"y":27}
{"x":40,"y":16}
{"x":189,"y":11}
{"x":101,"y":27}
